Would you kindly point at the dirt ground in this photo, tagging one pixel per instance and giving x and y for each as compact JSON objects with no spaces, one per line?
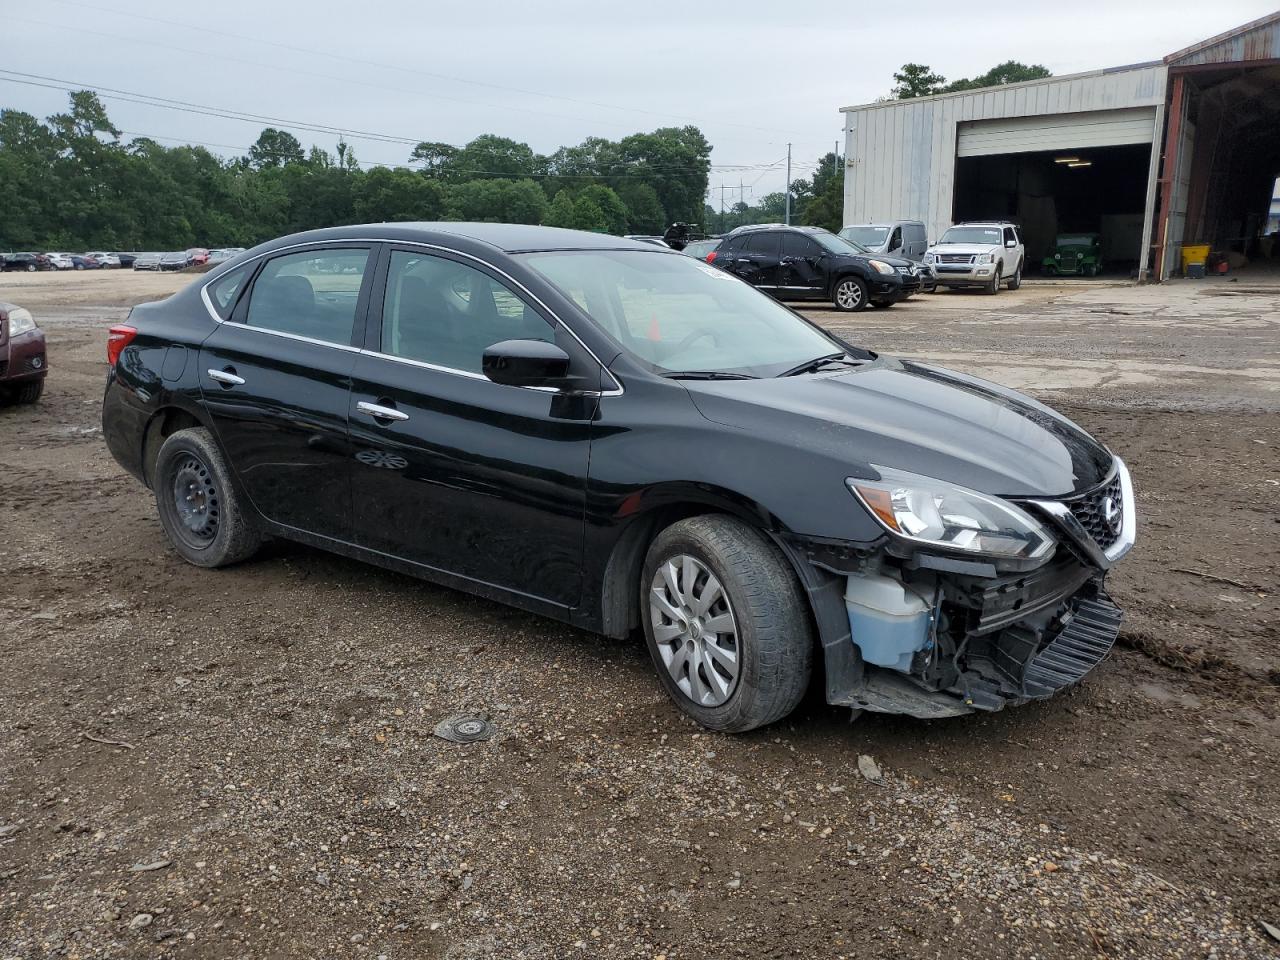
{"x":240,"y":763}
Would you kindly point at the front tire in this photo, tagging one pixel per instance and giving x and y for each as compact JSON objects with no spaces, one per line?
{"x":29,"y":392}
{"x":850,"y":295}
{"x":205,"y":518}
{"x":726,"y":623}
{"x":993,"y":285}
{"x":883,"y":304}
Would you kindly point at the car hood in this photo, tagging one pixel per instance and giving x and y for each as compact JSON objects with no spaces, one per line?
{"x":917,"y":418}
{"x":966,"y":249}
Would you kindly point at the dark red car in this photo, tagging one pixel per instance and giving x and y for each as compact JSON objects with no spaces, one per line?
{"x":23,"y":361}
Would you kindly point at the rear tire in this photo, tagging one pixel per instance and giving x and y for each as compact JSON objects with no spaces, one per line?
{"x":850,"y":295}
{"x":204,"y":516}
{"x":736,"y":653}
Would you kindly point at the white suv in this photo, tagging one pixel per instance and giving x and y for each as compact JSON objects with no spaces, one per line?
{"x":984,"y":254}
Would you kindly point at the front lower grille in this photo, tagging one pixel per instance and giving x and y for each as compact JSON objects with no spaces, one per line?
{"x":1101,"y":513}
{"x":1083,"y":642}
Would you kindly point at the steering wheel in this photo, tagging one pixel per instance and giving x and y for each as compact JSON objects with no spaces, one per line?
{"x":691,"y":338}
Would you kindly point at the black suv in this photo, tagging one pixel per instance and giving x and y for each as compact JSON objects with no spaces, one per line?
{"x":809,"y":263}
{"x":30,"y":262}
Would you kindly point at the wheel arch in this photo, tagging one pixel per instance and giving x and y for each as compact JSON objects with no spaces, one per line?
{"x":165,"y":422}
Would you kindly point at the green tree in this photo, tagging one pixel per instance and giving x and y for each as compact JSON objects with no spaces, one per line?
{"x":587,"y":215}
{"x":497,"y":201}
{"x":1011,"y":71}
{"x":436,"y":158}
{"x":275,"y":148}
{"x":401,"y":194}
{"x":611,"y":207}
{"x":493,"y":156}
{"x":560,"y":212}
{"x":916,"y":80}
{"x":824,"y":205}
{"x":644,"y":209}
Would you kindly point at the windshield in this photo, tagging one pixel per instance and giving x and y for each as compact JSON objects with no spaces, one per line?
{"x":680,"y":315}
{"x":835,"y":244}
{"x":1075,"y":240}
{"x":987,"y":236}
{"x":867,"y":236}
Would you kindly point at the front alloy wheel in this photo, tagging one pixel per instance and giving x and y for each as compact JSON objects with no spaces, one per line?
{"x":694,"y":630}
{"x":850,"y":295}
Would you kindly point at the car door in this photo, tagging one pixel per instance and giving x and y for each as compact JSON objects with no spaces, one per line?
{"x":894,"y":246}
{"x":276,"y":379}
{"x":455,"y":472}
{"x":1010,"y":259}
{"x":800,"y":266}
{"x":756,"y":260}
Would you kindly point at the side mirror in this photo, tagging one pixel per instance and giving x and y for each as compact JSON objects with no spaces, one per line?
{"x":1011,"y":244}
{"x":526,"y":363}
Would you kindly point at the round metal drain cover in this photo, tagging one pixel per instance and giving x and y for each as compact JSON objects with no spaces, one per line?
{"x":464,"y":729}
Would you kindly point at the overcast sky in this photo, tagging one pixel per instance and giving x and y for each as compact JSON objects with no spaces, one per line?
{"x":752,"y":75}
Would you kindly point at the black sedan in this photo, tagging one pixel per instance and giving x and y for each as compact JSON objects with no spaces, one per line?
{"x":628,"y":439}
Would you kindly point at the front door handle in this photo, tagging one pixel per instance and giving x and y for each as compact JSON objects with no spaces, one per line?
{"x":379,"y":412}
{"x":227,"y":378}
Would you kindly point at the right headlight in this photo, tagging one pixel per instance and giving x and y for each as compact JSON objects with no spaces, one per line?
{"x":881,"y":267}
{"x":938,"y":514}
{"x":20,"y":321}
{"x":929,"y":258}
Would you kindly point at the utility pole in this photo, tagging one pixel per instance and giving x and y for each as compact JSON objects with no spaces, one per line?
{"x":722,"y":208}
{"x":788,"y":216}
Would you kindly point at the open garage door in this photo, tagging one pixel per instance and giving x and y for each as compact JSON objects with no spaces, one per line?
{"x":1059,"y":131}
{"x":1096,"y":191}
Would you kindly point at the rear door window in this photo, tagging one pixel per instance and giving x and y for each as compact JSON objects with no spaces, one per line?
{"x":763,"y":244}
{"x":312,"y":294}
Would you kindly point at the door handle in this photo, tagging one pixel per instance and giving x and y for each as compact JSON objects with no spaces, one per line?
{"x":227,"y":378}
{"x":379,"y":412}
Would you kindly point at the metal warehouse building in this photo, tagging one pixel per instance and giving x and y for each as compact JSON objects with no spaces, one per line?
{"x":1151,"y":156}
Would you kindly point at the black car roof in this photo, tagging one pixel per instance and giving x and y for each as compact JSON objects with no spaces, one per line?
{"x":507,"y":237}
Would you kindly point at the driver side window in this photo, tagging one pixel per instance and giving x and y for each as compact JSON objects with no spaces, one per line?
{"x":895,"y":241}
{"x":1009,"y":235}
{"x":446,"y":313}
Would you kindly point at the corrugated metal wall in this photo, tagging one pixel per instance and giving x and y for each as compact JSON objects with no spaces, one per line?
{"x":1259,"y":40}
{"x":901,"y":155}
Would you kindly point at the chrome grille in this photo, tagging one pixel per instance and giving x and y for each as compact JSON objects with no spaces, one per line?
{"x":955,"y":258}
{"x":1092,"y":511}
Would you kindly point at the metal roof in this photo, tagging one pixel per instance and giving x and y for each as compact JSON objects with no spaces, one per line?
{"x":1259,"y":40}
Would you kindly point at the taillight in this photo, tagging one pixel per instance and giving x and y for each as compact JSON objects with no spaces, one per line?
{"x":119,"y":337}
{"x":711,"y":257}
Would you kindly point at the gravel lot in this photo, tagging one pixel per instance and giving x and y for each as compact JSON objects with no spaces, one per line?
{"x":240,"y":763}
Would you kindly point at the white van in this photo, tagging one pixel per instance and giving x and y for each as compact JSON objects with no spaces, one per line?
{"x":901,"y":238}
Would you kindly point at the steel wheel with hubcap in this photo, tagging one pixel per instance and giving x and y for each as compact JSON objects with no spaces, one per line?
{"x":694,"y":630}
{"x":726,"y":623}
{"x":850,"y":295}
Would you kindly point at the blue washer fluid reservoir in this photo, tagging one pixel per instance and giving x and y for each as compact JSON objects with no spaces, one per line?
{"x":889,"y":622}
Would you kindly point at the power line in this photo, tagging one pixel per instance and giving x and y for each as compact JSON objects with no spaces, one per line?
{"x":408,"y":70}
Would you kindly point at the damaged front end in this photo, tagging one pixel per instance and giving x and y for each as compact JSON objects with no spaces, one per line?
{"x":940,"y":623}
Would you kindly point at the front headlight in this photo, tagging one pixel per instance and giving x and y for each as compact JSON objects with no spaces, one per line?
{"x":20,"y":321}
{"x":929,"y":258}
{"x":881,"y":267}
{"x":928,"y":511}
{"x":987,"y":258}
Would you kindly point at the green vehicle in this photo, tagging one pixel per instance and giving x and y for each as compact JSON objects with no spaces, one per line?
{"x":1075,"y":254}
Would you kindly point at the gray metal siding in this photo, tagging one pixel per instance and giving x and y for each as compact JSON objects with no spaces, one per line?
{"x":1259,"y":40}
{"x":900,"y":156}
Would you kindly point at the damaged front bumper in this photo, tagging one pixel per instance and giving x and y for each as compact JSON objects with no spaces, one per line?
{"x":932,"y":636}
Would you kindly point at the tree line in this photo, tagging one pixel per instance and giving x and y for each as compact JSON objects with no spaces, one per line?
{"x":72,"y":182}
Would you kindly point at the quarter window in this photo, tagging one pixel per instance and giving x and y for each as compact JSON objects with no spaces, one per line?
{"x":226,"y":290}
{"x":312,"y":294}
{"x":446,"y":313}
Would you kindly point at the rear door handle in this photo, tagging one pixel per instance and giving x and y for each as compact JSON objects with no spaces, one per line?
{"x":379,"y":412}
{"x":226,"y":377}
